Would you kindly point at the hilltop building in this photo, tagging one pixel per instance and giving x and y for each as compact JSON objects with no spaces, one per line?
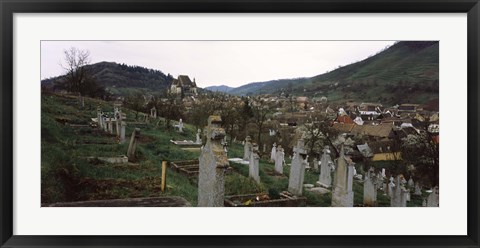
{"x":183,"y":86}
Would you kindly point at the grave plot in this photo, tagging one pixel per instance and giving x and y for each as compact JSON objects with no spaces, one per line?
{"x":285,"y":199}
{"x":190,"y":168}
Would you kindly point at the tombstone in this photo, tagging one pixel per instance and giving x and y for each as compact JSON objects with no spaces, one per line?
{"x":370,"y":189}
{"x":153,"y":113}
{"x":118,"y":122}
{"x":390,"y":187}
{"x":418,"y":189}
{"x":315,"y":164}
{"x":279,"y":158}
{"x":180,"y":126}
{"x":342,"y":195}
{"x":274,"y":151}
{"x":104,"y":123}
{"x":247,"y":148}
{"x":264,"y":148}
{"x":424,"y":203}
{"x":110,"y":125}
{"x":325,"y":178}
{"x":133,"y":144}
{"x":383,"y":173}
{"x":122,"y":132}
{"x":99,"y":117}
{"x":399,"y":194}
{"x":198,"y":141}
{"x":433,"y":198}
{"x":253,"y":166}
{"x":297,"y":169}
{"x":410,"y":183}
{"x":213,"y":163}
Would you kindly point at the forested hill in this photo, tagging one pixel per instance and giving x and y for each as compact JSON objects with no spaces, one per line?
{"x":405,"y":72}
{"x":121,"y":79}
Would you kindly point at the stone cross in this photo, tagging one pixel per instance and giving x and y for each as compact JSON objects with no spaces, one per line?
{"x":297,"y":169}
{"x":342,"y":195}
{"x":399,"y":194}
{"x":198,"y":141}
{"x":279,"y":157}
{"x":370,"y":189}
{"x":325,"y":178}
{"x":274,"y":151}
{"x":122,"y":132}
{"x":213,"y":163}
{"x":253,"y":166}
{"x":247,"y":148}
{"x":433,"y":198}
{"x":133,"y":144}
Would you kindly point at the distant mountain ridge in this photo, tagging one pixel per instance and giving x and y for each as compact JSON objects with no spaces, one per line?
{"x":221,"y":88}
{"x":405,"y":72}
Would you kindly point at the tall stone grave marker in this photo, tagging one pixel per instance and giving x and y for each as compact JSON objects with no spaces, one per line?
{"x":99,"y":117}
{"x":274,"y":151}
{"x":433,"y":198}
{"x":279,"y":157}
{"x":253,"y":166}
{"x":297,"y":169}
{"x":342,"y":195}
{"x":122,"y":132}
{"x":118,"y":122}
{"x":325,"y":178}
{"x":370,"y":189}
{"x":198,"y":141}
{"x":213,"y":163}
{"x":247,"y":148}
{"x":399,"y":194}
{"x":133,"y":144}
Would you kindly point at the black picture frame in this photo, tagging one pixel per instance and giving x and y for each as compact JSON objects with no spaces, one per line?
{"x":9,"y":7}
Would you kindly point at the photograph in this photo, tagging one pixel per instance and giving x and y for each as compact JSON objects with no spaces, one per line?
{"x":240,"y":123}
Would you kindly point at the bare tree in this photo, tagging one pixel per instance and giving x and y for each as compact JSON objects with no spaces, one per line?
{"x":77,"y":77}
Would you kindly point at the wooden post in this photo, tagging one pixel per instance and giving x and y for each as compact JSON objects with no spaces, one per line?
{"x":164,"y":175}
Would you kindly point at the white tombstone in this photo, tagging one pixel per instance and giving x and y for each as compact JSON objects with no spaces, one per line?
{"x":153,"y":113}
{"x":198,"y":141}
{"x":180,"y":126}
{"x":383,"y":173}
{"x":433,"y":198}
{"x":418,"y":189}
{"x":247,"y":148}
{"x":411,"y":183}
{"x":274,"y":151}
{"x":370,"y":189}
{"x":297,"y":169}
{"x":253,"y":166}
{"x":325,"y":178}
{"x":399,"y":194}
{"x":342,"y":195}
{"x":105,"y":126}
{"x":315,"y":164}
{"x":122,"y":132}
{"x":279,"y":158}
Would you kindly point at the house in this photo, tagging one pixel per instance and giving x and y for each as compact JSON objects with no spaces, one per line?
{"x":385,"y":151}
{"x":183,"y":86}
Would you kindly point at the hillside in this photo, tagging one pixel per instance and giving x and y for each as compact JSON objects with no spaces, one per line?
{"x":221,"y":88}
{"x":120,"y":79}
{"x":405,"y":72}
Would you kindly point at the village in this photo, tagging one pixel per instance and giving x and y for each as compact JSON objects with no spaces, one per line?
{"x":314,"y":147}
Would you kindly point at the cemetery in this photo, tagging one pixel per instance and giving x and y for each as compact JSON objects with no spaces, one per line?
{"x":99,"y":154}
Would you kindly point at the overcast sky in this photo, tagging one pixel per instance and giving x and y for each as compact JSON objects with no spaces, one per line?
{"x":232,"y":63}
